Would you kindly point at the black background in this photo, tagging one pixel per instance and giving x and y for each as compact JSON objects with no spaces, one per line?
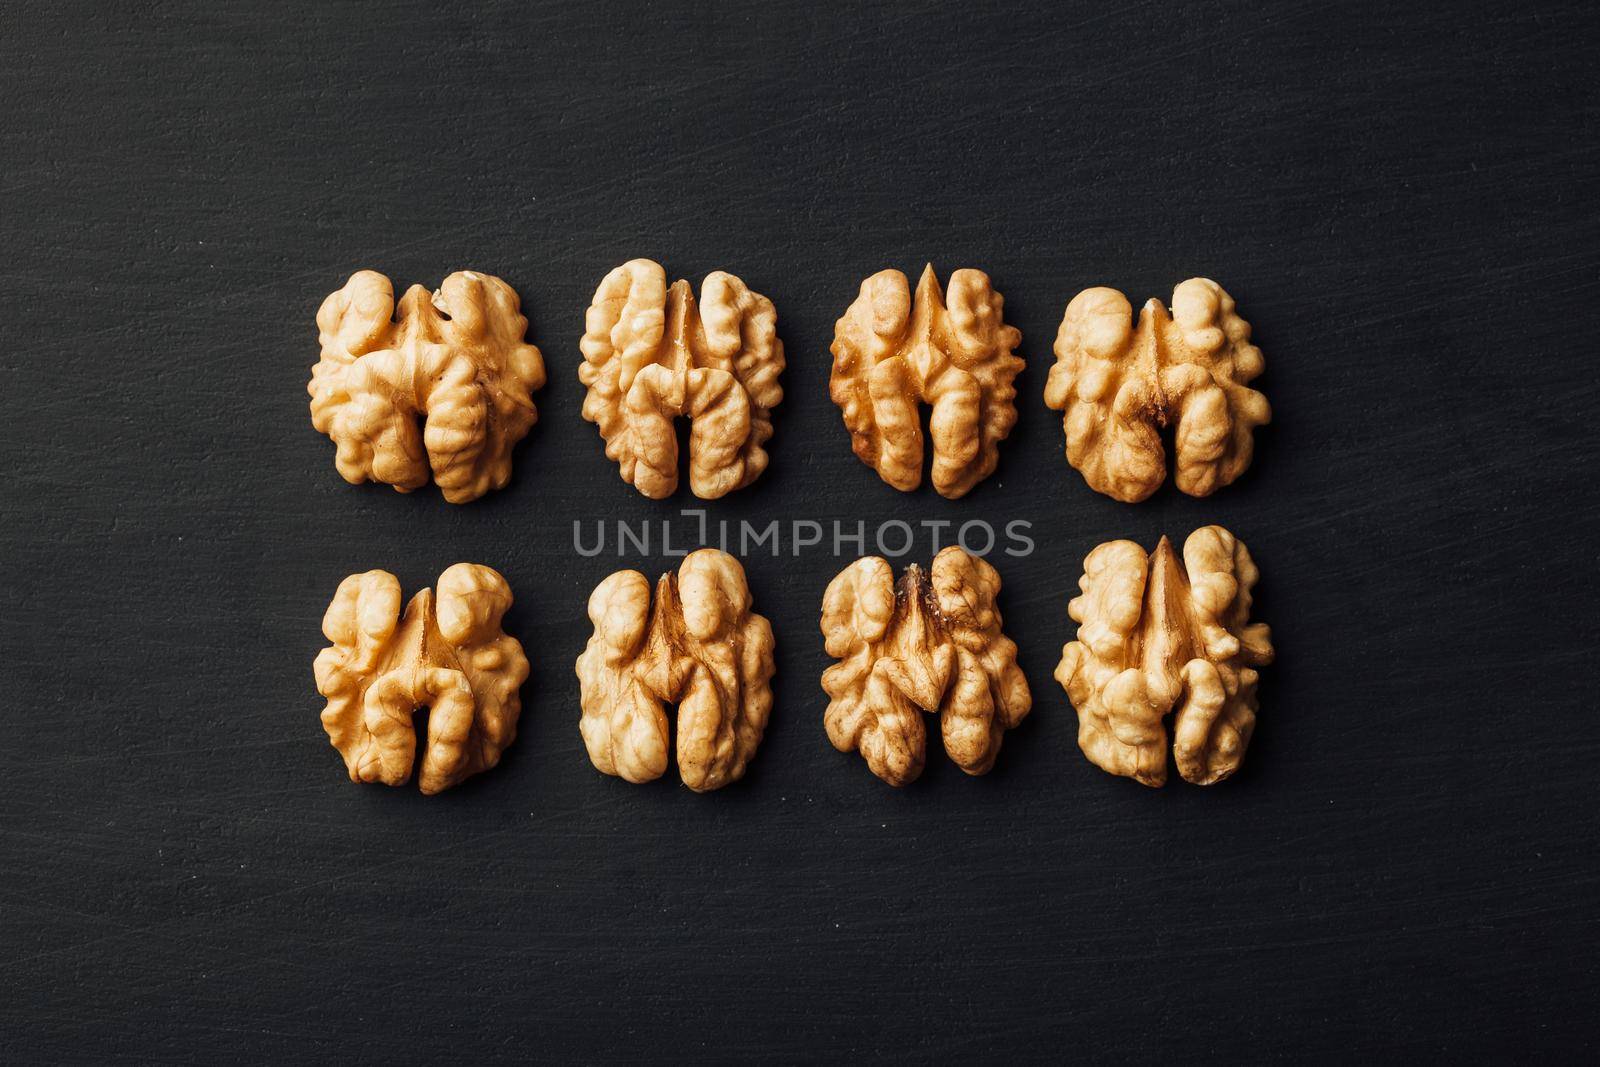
{"x":1401,"y":200}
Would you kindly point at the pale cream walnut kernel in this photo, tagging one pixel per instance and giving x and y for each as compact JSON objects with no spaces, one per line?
{"x":929,"y":643}
{"x":1121,"y":384}
{"x":700,"y":646}
{"x":894,"y":350}
{"x":651,"y":355}
{"x":444,"y":652}
{"x":1155,"y":635}
{"x":456,"y":360}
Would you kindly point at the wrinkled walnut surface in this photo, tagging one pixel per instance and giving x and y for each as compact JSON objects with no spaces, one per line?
{"x":1157,"y":634}
{"x":455,"y":359}
{"x":932,"y":642}
{"x":445,"y":652}
{"x":650,"y":354}
{"x":699,"y":646}
{"x":1120,"y":384}
{"x":893,"y":350}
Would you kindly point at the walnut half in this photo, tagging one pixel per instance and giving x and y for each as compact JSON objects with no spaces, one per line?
{"x":455,"y":358}
{"x":700,"y":646}
{"x":1157,"y":634}
{"x":446,"y":653}
{"x":893,"y":350}
{"x":650,"y":355}
{"x":932,"y":642}
{"x":1121,"y":384}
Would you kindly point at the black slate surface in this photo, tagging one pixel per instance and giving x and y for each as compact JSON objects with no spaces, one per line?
{"x":1402,"y":201}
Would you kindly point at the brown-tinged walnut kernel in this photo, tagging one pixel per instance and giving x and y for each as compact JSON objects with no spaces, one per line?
{"x":931,"y":643}
{"x":454,"y":359}
{"x":1158,"y":634}
{"x":700,"y":646}
{"x":894,"y":350}
{"x":445,"y":652}
{"x":1121,"y":384}
{"x":650,"y":354}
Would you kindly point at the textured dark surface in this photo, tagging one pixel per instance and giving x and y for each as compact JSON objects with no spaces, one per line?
{"x":1402,"y":203}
